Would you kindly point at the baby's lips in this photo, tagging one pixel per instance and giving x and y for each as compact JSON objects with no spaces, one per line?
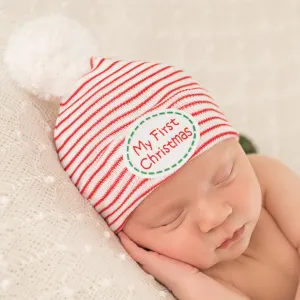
{"x":235,"y":236}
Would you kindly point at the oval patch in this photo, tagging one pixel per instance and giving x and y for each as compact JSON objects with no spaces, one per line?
{"x":160,"y":142}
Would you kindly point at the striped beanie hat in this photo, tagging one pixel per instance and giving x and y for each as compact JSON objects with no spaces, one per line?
{"x":123,"y":127}
{"x":128,"y":126}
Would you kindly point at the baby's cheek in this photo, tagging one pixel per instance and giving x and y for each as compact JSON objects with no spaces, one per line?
{"x":248,"y":198}
{"x":190,"y":249}
{"x":174,"y":244}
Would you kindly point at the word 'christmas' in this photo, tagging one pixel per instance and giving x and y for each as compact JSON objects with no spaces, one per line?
{"x":160,"y":143}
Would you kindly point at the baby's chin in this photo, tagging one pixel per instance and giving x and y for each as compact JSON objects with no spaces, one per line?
{"x":224,"y":255}
{"x":235,"y":251}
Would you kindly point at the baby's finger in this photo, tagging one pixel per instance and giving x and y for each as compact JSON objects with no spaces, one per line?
{"x":166,"y":270}
{"x":137,"y":253}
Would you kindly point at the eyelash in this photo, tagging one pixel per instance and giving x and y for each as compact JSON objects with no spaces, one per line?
{"x":171,"y":222}
{"x":223,"y":181}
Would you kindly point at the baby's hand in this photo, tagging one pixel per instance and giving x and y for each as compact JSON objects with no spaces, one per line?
{"x":170,"y":272}
{"x":183,"y":280}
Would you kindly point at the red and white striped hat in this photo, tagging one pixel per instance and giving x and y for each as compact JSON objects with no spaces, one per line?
{"x":93,"y":123}
{"x":126,"y":127}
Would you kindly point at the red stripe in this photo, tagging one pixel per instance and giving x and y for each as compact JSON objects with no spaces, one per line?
{"x":92,"y":62}
{"x":99,"y":64}
{"x":112,"y":152}
{"x":142,"y":182}
{"x":107,"y":174}
{"x":94,"y":69}
{"x":120,"y":227}
{"x":99,"y":154}
{"x":206,"y":110}
{"x":109,"y":191}
{"x":210,"y":119}
{"x":175,"y":89}
{"x":172,"y":96}
{"x":78,"y":89}
{"x":180,"y":91}
{"x":109,"y":102}
{"x":158,"y":104}
{"x":105,"y":177}
{"x":214,"y":127}
{"x":185,"y":90}
{"x":126,"y":185}
{"x":173,"y":103}
{"x":194,"y":102}
{"x":96,"y":92}
{"x":111,"y":111}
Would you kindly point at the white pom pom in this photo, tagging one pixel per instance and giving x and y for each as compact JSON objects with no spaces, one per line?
{"x":48,"y":55}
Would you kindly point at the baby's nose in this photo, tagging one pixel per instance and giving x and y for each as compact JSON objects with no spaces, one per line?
{"x":211,"y":216}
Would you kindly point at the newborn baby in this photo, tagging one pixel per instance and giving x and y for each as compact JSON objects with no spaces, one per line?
{"x":154,"y":154}
{"x":233,"y":217}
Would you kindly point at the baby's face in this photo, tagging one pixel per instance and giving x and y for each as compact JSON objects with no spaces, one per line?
{"x":190,"y":215}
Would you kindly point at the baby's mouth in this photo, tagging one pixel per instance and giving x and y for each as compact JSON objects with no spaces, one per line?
{"x":237,"y":235}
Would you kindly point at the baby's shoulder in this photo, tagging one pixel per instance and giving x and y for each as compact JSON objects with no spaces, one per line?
{"x":260,"y":161}
{"x":265,"y":167}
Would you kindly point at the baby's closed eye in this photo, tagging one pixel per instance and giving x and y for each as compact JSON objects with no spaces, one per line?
{"x":176,"y":220}
{"x":224,"y":175}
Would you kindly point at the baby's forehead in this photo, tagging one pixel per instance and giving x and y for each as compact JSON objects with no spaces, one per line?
{"x":206,"y":164}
